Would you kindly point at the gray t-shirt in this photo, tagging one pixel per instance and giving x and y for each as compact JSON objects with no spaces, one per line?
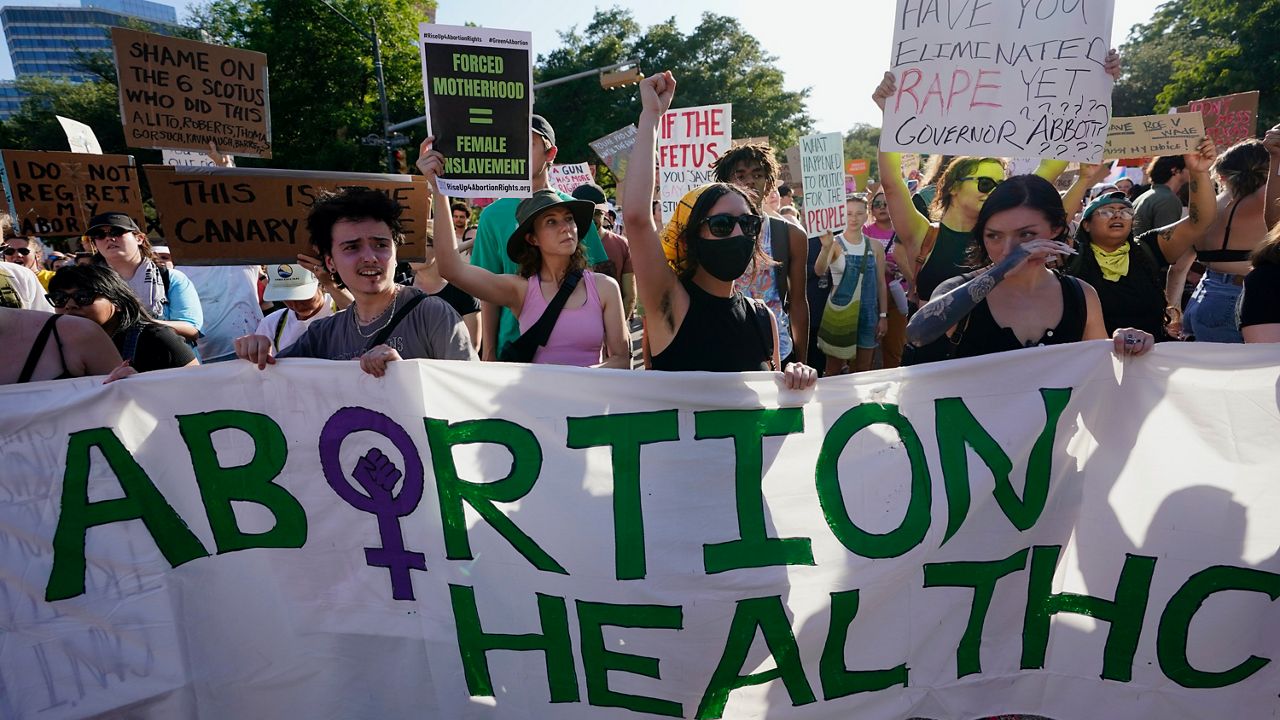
{"x":1156,"y":208}
{"x":432,"y":330}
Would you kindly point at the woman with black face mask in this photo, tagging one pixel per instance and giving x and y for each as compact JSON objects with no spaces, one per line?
{"x":694,"y":319}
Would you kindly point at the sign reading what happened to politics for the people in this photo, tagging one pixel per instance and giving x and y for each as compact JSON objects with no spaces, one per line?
{"x":479,"y":101}
{"x":999,"y":535}
{"x":822,"y":166}
{"x":1004,"y":78}
{"x":689,"y":140}
{"x":1227,"y":119}
{"x":217,"y":216}
{"x":53,"y":194}
{"x":182,"y":94}
{"x":1154,"y":135}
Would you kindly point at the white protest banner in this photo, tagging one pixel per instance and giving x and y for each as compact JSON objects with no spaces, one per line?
{"x":80,"y":137}
{"x":689,"y":140}
{"x":1048,"y":531}
{"x":1004,"y":78}
{"x":477,"y":84}
{"x":1154,"y":135}
{"x":570,"y":177}
{"x":191,"y":157}
{"x":822,"y":167}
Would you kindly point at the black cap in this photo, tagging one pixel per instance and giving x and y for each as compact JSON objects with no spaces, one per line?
{"x":590,"y":192}
{"x":543,"y":128}
{"x":114,"y":219}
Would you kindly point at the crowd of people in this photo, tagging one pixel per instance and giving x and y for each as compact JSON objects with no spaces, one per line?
{"x":961,"y":261}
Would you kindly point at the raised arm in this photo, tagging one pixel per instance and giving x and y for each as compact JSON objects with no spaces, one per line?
{"x":910,"y":225}
{"x":1176,"y":239}
{"x":1272,"y":143}
{"x":506,"y":290}
{"x":1090,"y":175}
{"x":826,"y":255}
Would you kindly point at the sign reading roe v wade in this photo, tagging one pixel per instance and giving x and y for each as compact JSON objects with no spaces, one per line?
{"x":1011,"y":78}
{"x":1008,"y":534}
{"x":478,"y":84}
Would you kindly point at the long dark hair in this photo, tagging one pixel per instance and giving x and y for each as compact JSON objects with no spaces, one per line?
{"x":102,"y":280}
{"x":1242,"y":168}
{"x":699,"y":212}
{"x":1030,"y":191}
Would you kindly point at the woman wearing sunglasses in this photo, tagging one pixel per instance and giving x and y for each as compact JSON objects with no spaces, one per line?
{"x":685,"y":279}
{"x":167,"y":294}
{"x":1129,"y":272}
{"x":588,"y":330}
{"x":98,"y":293}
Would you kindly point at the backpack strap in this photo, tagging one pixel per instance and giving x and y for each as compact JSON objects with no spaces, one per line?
{"x":926,"y":249}
{"x":764,"y":327}
{"x":385,"y":332}
{"x":164,"y":279}
{"x":780,"y":250}
{"x":37,"y":349}
{"x":284,"y":318}
{"x":523,"y":348}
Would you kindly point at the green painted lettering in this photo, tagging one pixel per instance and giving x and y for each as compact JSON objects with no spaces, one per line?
{"x":1175,"y":623}
{"x":982,"y":577}
{"x":597,"y":660}
{"x":768,"y":616}
{"x":837,"y":680}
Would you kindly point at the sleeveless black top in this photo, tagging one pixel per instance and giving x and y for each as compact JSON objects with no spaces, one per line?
{"x":1225,"y":255}
{"x":983,"y":336}
{"x":947,"y":260}
{"x":719,"y":334}
{"x":1135,"y":300}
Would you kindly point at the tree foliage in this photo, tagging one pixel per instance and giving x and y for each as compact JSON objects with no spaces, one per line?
{"x":719,"y":62}
{"x":862,"y":142}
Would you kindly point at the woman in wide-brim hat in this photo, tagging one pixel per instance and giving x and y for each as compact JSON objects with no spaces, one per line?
{"x":547,"y":245}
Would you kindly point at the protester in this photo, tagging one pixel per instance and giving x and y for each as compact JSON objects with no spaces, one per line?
{"x":461,"y":213}
{"x":498,"y":221}
{"x":1160,"y":206}
{"x":167,"y":294}
{"x":36,"y":346}
{"x":786,"y":197}
{"x":98,"y":293}
{"x":426,"y":277}
{"x":880,"y":227}
{"x":1128,"y":271}
{"x":791,"y":215}
{"x":356,"y":231}
{"x":753,"y":168}
{"x":1224,"y":249}
{"x":695,"y":318}
{"x":163,"y":255}
{"x":616,"y":247}
{"x":21,"y":289}
{"x":305,"y":301}
{"x":583,"y":310}
{"x":26,"y":252}
{"x":1260,"y":301}
{"x":230,"y":304}
{"x":927,"y":189}
{"x":855,"y":318}
{"x":1014,"y":301}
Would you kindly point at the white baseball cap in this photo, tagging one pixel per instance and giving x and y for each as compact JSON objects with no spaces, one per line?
{"x":289,"y":282}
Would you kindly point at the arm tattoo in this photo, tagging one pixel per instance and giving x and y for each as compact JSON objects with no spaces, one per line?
{"x":946,"y":311}
{"x":1194,"y":212}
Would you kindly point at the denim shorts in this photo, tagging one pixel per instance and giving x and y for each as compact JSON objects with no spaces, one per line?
{"x":1211,"y":312}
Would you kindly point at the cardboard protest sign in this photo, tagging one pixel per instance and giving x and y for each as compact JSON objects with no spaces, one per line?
{"x":477,"y":83}
{"x":1154,"y":135}
{"x":689,"y":140}
{"x":236,"y":216}
{"x":189,"y":157}
{"x":910,"y":164}
{"x":469,"y":540}
{"x":822,"y":165}
{"x":177,"y":93}
{"x":615,"y":149}
{"x":1004,"y":78}
{"x":80,"y":137}
{"x":570,"y":177}
{"x":791,"y":171}
{"x":53,"y":194}
{"x":1227,"y":119}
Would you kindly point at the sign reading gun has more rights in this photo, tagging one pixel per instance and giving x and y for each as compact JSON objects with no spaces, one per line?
{"x":477,"y":83}
{"x":183,"y":94}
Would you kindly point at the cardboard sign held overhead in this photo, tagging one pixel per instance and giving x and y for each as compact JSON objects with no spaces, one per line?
{"x":183,"y":94}
{"x":615,"y":149}
{"x":1154,"y":135}
{"x":235,"y":216}
{"x":53,"y":194}
{"x":80,"y":137}
{"x":477,"y":83}
{"x":1227,"y":119}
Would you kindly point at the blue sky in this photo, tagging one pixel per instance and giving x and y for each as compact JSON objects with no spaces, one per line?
{"x":837,"y":48}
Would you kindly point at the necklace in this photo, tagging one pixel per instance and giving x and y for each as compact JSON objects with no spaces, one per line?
{"x":390,"y":313}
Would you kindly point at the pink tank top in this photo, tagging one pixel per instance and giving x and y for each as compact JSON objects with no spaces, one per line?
{"x":578,"y":336}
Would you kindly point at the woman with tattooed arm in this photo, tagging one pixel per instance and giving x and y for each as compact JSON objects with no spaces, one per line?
{"x":1014,"y":301}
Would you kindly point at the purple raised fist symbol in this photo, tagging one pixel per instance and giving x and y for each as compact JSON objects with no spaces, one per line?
{"x":378,"y":475}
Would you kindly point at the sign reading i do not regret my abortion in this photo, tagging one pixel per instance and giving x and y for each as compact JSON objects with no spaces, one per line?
{"x":1011,"y":78}
{"x":478,"y":84}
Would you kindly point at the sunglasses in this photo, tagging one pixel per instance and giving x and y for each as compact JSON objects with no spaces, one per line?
{"x":722,"y":224}
{"x":879,"y":205}
{"x":82,"y":298}
{"x":985,"y":184}
{"x":114,"y":232}
{"x":1106,"y":213}
{"x":24,"y":252}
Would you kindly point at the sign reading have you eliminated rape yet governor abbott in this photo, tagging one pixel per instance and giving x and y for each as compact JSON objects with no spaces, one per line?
{"x":478,"y":86}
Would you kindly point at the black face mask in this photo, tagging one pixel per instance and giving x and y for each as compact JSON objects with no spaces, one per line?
{"x":725,"y":258}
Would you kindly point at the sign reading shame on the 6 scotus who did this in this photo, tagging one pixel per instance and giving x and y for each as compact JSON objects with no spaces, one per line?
{"x":478,"y":84}
{"x":1010,"y":78}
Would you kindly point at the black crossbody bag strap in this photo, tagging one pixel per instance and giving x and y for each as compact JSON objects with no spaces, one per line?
{"x":523,"y":348}
{"x":385,"y":332}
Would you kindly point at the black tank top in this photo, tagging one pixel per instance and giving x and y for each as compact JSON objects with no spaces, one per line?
{"x":1225,"y":255}
{"x":1135,"y":300}
{"x":719,"y":334}
{"x":982,"y":336}
{"x":947,"y":260}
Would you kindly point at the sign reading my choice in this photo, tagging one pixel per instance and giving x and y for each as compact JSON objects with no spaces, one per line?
{"x":216,"y":216}
{"x":477,"y":84}
{"x":53,"y":194}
